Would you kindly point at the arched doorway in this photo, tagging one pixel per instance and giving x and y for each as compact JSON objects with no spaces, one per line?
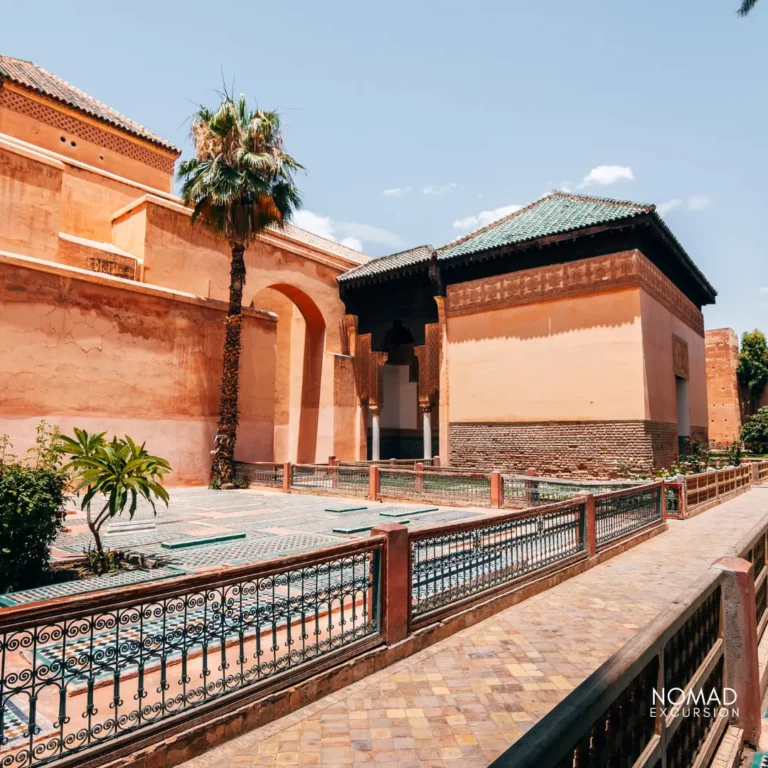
{"x":300,"y":346}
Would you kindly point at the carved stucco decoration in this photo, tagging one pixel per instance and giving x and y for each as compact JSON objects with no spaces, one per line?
{"x":680,"y":357}
{"x":429,"y":366}
{"x":628,"y":268}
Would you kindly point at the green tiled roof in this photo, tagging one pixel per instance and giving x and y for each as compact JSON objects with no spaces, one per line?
{"x":29,"y":75}
{"x":554,"y":214}
{"x":392,"y":263}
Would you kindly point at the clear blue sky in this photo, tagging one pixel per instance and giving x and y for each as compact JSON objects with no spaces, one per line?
{"x":458,"y":108}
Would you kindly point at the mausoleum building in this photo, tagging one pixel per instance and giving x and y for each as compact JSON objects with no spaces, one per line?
{"x":568,"y":336}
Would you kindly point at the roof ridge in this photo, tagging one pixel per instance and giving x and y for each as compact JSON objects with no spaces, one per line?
{"x":334,"y":243}
{"x":648,"y":207}
{"x":502,"y":220}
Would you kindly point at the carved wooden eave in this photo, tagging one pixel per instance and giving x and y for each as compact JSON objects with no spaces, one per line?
{"x":600,"y":273}
{"x":428,"y":356}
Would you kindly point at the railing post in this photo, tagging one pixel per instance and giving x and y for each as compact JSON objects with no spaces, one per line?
{"x":530,"y":494}
{"x":395,"y":573}
{"x":333,"y":463}
{"x":418,"y":480}
{"x":742,"y":668}
{"x":374,"y":483}
{"x":755,"y":472}
{"x":590,"y":522}
{"x":663,"y":502}
{"x":287,"y":477}
{"x":497,"y":490}
{"x":435,"y":461}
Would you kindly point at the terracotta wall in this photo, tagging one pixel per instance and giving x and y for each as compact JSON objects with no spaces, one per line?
{"x":659,"y":326}
{"x":30,"y":191}
{"x":94,"y":352}
{"x":573,"y":359}
{"x":40,"y":121}
{"x":722,"y":357}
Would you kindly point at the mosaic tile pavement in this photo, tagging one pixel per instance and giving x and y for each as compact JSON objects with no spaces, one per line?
{"x":463,"y":701}
{"x":274,"y":523}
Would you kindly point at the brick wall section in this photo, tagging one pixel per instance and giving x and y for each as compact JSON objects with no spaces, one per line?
{"x":593,"y":449}
{"x":724,"y":408}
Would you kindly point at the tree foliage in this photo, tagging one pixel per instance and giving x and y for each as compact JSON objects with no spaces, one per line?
{"x":752,"y":370}
{"x":32,"y":497}
{"x":746,"y":6}
{"x":119,"y":473}
{"x":239,"y":182}
{"x":754,"y":432}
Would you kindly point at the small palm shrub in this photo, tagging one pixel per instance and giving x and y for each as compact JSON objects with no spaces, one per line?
{"x":112,"y":476}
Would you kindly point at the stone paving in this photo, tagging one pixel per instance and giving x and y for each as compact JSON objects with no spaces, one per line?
{"x":463,"y":701}
{"x":273,"y":524}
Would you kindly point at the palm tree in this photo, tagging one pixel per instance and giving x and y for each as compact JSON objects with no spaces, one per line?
{"x":239,"y":182}
{"x":746,"y":7}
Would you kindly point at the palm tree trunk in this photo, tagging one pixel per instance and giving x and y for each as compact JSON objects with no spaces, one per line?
{"x":226,"y":434}
{"x":96,"y":537}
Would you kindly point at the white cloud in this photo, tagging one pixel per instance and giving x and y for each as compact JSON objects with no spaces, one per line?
{"x":353,"y":243}
{"x":368,"y":234}
{"x":485,"y":217}
{"x":439,"y":189}
{"x":604,"y":175}
{"x":396,"y":191}
{"x":349,"y":233}
{"x":697,"y":202}
{"x":668,"y":206}
{"x":319,"y":225}
{"x":764,"y":289}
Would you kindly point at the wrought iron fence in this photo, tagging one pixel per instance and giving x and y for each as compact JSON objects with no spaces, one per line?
{"x":527,"y":491}
{"x":325,"y":478}
{"x":76,"y":676}
{"x":388,"y":463}
{"x":260,"y":472}
{"x":454,"y":488}
{"x":621,"y":512}
{"x":459,"y":561}
{"x":612,"y":718}
{"x":672,"y":493}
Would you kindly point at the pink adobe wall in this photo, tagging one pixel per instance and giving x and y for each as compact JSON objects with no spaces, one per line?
{"x":570,"y":359}
{"x":27,"y":128}
{"x":87,"y":350}
{"x":30,"y":188}
{"x":659,"y":325}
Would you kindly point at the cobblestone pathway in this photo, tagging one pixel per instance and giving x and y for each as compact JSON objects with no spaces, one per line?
{"x":466,"y":699}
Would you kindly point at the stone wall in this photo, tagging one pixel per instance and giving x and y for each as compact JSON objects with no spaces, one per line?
{"x":724,"y":407}
{"x":97,"y":352}
{"x":565,"y":449}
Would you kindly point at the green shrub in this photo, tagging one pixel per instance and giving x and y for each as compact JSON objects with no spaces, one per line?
{"x":32,"y":496}
{"x":754,"y":432}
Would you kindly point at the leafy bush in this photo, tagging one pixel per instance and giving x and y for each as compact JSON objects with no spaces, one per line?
{"x":32,"y":496}
{"x":752,"y":370}
{"x":754,"y":432}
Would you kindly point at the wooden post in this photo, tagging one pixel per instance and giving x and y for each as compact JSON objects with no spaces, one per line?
{"x":374,"y":483}
{"x":590,"y":523}
{"x":663,"y":502}
{"x":418,"y":480}
{"x":755,"y":477}
{"x":287,"y":477}
{"x":742,"y":668}
{"x":395,"y":573}
{"x":497,"y":490}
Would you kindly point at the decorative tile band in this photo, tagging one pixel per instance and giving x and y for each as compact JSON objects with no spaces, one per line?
{"x":600,"y":273}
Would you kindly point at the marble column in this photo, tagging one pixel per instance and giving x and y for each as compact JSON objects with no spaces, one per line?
{"x":426,"y":411}
{"x":375,"y":410}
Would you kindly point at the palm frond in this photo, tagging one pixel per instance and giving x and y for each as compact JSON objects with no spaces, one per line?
{"x":746,"y":7}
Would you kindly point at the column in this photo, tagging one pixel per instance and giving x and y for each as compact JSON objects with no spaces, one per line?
{"x":375,"y":410}
{"x":427,"y":416}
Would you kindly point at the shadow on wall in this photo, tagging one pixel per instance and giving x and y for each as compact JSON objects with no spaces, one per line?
{"x":299,"y":369}
{"x":548,"y":318}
